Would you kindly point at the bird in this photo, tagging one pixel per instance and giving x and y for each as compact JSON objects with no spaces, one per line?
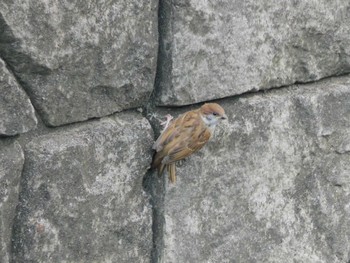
{"x":184,"y":136}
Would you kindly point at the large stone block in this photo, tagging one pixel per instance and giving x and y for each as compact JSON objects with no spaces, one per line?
{"x":216,"y":49}
{"x":82,"y":198}
{"x":272,"y":186}
{"x":16,"y":111}
{"x":81,"y":60}
{"x":11,"y":164}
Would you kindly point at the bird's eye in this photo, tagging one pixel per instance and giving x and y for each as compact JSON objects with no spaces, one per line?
{"x":215,"y":114}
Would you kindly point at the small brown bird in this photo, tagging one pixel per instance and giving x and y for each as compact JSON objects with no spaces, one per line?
{"x":185,"y":135}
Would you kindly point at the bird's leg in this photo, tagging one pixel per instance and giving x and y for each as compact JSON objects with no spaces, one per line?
{"x":166,"y":123}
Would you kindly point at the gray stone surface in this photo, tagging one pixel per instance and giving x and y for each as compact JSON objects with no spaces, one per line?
{"x":82,"y":198}
{"x":11,"y":164}
{"x":272,"y":186}
{"x":215,"y":49}
{"x":16,"y":112}
{"x":79,"y":60}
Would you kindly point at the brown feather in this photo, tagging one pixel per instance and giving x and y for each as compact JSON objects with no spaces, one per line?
{"x":172,"y":172}
{"x":161,"y":169}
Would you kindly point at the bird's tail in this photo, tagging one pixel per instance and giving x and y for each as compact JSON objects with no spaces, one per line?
{"x":172,"y":172}
{"x":171,"y":168}
{"x":161,"y":169}
{"x":157,"y":163}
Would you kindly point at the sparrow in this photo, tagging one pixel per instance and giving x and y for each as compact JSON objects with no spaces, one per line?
{"x":185,"y":135}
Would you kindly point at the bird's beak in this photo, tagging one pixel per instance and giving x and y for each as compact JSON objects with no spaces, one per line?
{"x":224,"y":117}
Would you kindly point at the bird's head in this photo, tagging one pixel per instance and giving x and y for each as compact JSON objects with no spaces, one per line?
{"x":212,"y":113}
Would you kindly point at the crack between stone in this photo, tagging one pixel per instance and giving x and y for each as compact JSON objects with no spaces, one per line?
{"x":253,"y":92}
{"x":296,"y":83}
{"x":152,"y":184}
{"x":155,"y":188}
{"x":8,"y":39}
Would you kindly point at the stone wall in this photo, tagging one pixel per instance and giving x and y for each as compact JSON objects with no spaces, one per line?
{"x":83,"y":86}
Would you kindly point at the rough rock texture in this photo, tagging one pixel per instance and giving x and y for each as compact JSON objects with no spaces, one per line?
{"x":16,"y":111}
{"x":82,"y":198}
{"x":272,"y":186}
{"x":79,"y":60}
{"x":11,"y":164}
{"x":215,"y":49}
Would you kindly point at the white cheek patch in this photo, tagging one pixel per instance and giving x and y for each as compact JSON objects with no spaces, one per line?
{"x":210,"y":121}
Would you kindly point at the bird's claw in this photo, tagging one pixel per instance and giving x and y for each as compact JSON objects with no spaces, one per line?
{"x":166,"y":123}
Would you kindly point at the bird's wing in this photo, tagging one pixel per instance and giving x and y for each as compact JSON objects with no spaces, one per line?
{"x":168,"y":134}
{"x":162,"y":143}
{"x":191,"y":135}
{"x":183,"y":150}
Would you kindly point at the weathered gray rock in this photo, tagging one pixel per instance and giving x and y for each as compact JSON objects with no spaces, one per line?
{"x":78,"y":60}
{"x":16,"y":112}
{"x":11,"y":164}
{"x":82,"y":198}
{"x":215,"y":49}
{"x":272,"y":186}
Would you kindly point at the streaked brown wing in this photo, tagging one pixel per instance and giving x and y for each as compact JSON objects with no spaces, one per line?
{"x":166,"y":141}
{"x":197,"y":138}
{"x":168,"y":134}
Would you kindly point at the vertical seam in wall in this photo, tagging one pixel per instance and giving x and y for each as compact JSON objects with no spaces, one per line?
{"x":152,"y":184}
{"x":8,"y":39}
